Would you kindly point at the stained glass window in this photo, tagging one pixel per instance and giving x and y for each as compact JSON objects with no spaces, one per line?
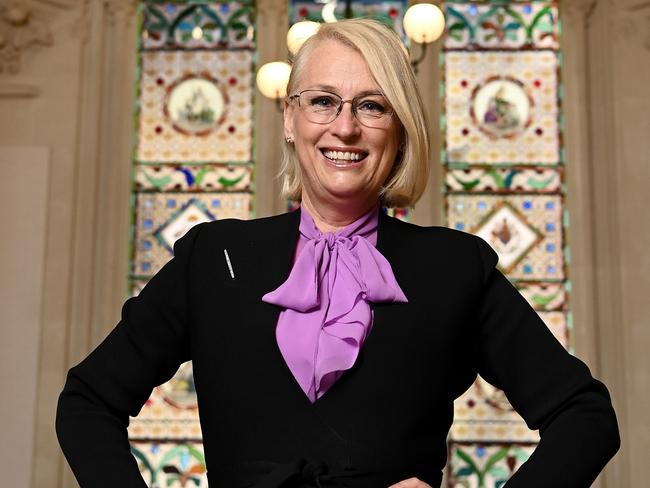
{"x":503,"y":162}
{"x":192,"y":163}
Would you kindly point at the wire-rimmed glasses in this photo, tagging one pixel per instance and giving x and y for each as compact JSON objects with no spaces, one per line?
{"x":322,"y":107}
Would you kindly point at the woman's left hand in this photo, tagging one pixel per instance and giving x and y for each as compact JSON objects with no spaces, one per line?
{"x":410,"y":483}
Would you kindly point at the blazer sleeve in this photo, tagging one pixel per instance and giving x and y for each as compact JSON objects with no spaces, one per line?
{"x":144,"y":350}
{"x":551,"y":389}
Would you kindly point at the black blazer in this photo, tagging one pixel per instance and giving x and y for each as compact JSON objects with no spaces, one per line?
{"x":385,"y":420}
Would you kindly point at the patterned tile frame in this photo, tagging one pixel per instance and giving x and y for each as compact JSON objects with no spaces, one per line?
{"x":468,"y":74}
{"x":222,"y":24}
{"x":159,"y":141}
{"x":517,"y":167}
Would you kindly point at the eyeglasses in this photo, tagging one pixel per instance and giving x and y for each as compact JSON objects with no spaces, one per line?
{"x":322,"y":107}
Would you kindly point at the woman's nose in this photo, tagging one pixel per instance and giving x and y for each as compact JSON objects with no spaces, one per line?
{"x":346,"y":123}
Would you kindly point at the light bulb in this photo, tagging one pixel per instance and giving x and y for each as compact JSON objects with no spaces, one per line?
{"x":424,"y":22}
{"x":299,"y":33}
{"x":272,"y":79}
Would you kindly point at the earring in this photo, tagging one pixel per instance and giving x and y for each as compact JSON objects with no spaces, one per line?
{"x":289,"y":140}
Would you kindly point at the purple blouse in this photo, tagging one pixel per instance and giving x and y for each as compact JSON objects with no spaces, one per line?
{"x":326,"y":314}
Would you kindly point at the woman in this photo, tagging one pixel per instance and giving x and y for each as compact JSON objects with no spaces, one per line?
{"x":348,"y":334}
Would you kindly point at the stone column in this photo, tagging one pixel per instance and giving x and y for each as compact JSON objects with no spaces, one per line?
{"x":607,"y":74}
{"x":272,"y":26}
{"x":428,"y":210}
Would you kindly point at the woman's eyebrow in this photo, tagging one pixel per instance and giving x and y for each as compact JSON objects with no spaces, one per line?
{"x":331,"y":89}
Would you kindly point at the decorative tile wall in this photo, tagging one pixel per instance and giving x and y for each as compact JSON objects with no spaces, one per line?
{"x":503,"y":163}
{"x":193,"y":162}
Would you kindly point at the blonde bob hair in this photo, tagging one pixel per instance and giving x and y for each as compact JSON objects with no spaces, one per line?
{"x":387,"y":61}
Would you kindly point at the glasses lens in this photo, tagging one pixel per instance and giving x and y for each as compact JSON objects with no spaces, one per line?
{"x":372,"y":110}
{"x":319,"y":106}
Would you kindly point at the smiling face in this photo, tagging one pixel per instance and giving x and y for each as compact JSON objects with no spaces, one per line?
{"x":343,"y":162}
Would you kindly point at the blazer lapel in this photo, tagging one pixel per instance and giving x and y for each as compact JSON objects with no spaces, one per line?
{"x":389,"y":244}
{"x":273,"y":246}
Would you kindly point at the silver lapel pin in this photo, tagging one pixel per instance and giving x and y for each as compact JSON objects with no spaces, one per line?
{"x":232,"y":274}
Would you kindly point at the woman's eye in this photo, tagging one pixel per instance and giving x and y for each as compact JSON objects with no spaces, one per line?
{"x":371,"y":106}
{"x":322,"y":102}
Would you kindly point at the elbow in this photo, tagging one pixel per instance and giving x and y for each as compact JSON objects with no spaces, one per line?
{"x":64,"y":422}
{"x":612,"y":433}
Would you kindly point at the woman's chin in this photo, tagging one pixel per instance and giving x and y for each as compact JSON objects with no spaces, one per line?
{"x":348,"y":194}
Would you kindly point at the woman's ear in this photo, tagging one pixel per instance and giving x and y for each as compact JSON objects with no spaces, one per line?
{"x":288,"y":115}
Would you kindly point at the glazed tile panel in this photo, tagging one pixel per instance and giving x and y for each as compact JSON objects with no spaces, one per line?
{"x":171,"y":412}
{"x":193,"y":178}
{"x":526,"y":231}
{"x":508,"y":25}
{"x":171,"y":464}
{"x":196,"y":106}
{"x":195,"y":25}
{"x":162,"y":218}
{"x":512,"y":179}
{"x":477,"y":465}
{"x":501,"y":107}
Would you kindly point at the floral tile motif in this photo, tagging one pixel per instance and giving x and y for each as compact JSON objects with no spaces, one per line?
{"x":163,"y":217}
{"x":171,"y":464}
{"x":476,"y":465}
{"x":544,"y":296}
{"x":501,"y":108}
{"x":504,"y":180}
{"x":175,"y":25}
{"x":484,"y":413}
{"x":198,"y":177}
{"x":389,"y":12}
{"x":509,"y":234}
{"x":171,"y":410}
{"x":196,"y":106}
{"x":507,"y":25}
{"x":530,"y":215}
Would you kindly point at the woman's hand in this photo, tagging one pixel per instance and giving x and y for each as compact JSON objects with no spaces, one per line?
{"x":410,"y":483}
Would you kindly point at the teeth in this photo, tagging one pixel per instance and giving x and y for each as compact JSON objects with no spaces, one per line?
{"x":340,"y":155}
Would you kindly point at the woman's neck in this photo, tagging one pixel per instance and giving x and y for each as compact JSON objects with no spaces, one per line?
{"x":332,"y":218}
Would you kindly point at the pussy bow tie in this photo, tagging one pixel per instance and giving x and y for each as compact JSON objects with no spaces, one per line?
{"x":327,"y":300}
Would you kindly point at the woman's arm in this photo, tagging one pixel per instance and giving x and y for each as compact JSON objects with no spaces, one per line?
{"x":551,"y":389}
{"x":144,"y":350}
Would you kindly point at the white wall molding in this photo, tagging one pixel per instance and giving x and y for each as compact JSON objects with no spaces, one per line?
{"x":24,"y":26}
